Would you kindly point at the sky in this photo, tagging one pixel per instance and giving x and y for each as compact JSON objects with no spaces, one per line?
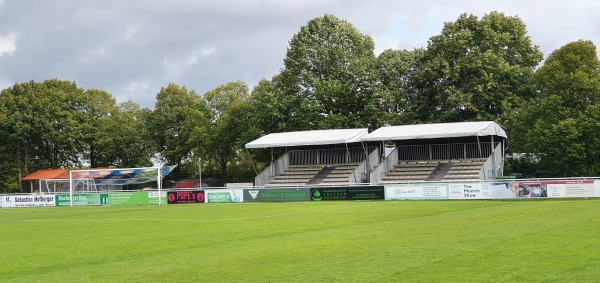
{"x":132,"y":48}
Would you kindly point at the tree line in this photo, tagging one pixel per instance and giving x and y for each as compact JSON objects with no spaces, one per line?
{"x":476,"y":69}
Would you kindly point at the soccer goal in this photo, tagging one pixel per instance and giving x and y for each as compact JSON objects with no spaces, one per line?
{"x":110,"y":179}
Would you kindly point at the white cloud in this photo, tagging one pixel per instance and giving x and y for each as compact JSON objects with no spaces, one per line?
{"x":132,"y":90}
{"x":8,"y":44}
{"x":180,"y":65}
{"x":93,"y":54}
{"x":207,"y":50}
{"x":130,"y":32}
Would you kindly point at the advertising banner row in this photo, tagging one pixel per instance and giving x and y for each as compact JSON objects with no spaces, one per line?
{"x":511,"y":190}
{"x":117,"y":198}
{"x":422,"y":191}
{"x":277,"y":195}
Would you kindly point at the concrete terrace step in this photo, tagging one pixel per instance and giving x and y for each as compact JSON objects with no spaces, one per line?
{"x":288,"y":179}
{"x":408,"y":170}
{"x":295,"y":175}
{"x":467,"y":164}
{"x":402,"y":181}
{"x":285,"y":184}
{"x":334,"y":183}
{"x":421,"y":161}
{"x":303,"y":170}
{"x":460,"y":177}
{"x":315,"y":174}
{"x":300,"y":173}
{"x":404,"y":177}
{"x":393,"y":175}
{"x":463,"y":172}
{"x":417,"y":165}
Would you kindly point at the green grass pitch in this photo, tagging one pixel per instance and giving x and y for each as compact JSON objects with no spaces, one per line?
{"x":364,"y":241}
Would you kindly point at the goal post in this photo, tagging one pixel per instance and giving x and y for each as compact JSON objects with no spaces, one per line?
{"x":90,"y":179}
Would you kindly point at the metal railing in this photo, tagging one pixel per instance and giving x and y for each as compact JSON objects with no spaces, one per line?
{"x":445,"y":151}
{"x":455,"y":151}
{"x":327,"y":156}
{"x":312,"y":157}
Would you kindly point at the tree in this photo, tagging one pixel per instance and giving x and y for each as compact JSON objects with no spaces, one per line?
{"x":394,"y":68}
{"x":475,"y":70}
{"x":268,"y":117}
{"x":230,"y":124}
{"x":60,"y":121}
{"x":45,"y":121}
{"x":42,"y":126}
{"x":99,"y":105}
{"x":124,"y":140}
{"x":177,"y":127}
{"x":327,"y":80}
{"x":571,"y":72}
{"x":561,"y":124}
{"x":268,"y":111}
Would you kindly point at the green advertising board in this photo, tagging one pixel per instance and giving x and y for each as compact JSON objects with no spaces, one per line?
{"x":82,"y":199}
{"x":135,"y":198}
{"x":348,"y":193}
{"x":277,"y":195}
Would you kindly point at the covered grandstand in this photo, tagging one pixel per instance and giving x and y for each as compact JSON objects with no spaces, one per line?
{"x":417,"y":153}
{"x":440,"y":152}
{"x":320,"y":157}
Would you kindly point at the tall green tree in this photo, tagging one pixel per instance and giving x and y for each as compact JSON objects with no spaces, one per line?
{"x":475,"y":70}
{"x":99,"y":105}
{"x":267,"y":108}
{"x":268,"y":117}
{"x":124,"y":140}
{"x":43,"y":126}
{"x":394,"y":69}
{"x":177,"y":127}
{"x":231,"y":125}
{"x":561,"y":124}
{"x":45,"y":121}
{"x":327,"y":80}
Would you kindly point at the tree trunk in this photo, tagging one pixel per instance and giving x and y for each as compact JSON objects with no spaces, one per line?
{"x":223,"y":163}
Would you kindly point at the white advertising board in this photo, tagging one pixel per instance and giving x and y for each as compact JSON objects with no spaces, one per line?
{"x":416,"y":191}
{"x":28,"y":200}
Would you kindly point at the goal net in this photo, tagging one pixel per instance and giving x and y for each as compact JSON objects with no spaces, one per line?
{"x":112,"y":179}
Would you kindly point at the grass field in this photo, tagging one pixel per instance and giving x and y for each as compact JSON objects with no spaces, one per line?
{"x":378,"y":241}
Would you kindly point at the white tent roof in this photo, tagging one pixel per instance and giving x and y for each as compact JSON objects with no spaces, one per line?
{"x":317,"y":137}
{"x":432,"y":131}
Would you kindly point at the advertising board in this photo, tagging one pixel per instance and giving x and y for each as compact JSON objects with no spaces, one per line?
{"x":480,"y":191}
{"x":82,"y":199}
{"x":348,"y":193}
{"x":416,"y":191}
{"x":136,"y":198}
{"x":27,"y":200}
{"x":555,"y":189}
{"x":224,"y":195}
{"x":276,"y":195}
{"x":182,"y":197}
